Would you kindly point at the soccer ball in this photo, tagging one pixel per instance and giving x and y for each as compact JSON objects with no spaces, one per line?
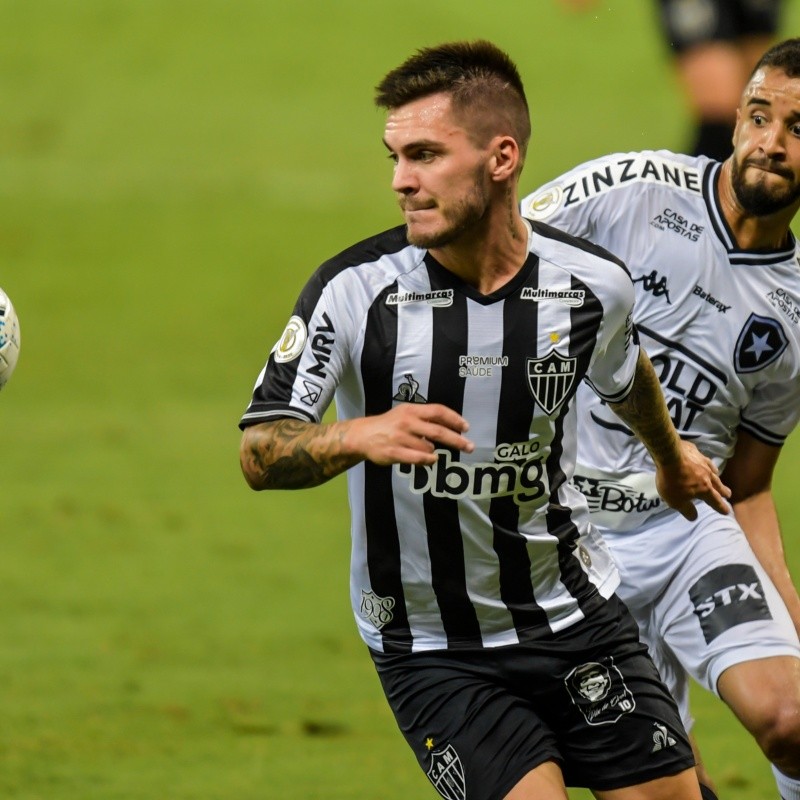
{"x":9,"y":338}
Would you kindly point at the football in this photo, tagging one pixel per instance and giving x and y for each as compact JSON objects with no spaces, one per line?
{"x":9,"y":338}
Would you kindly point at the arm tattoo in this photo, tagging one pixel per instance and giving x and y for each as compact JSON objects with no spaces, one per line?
{"x":646,"y":413}
{"x":292,"y":454}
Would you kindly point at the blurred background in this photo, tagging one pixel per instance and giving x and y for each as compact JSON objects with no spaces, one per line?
{"x":170,"y":174}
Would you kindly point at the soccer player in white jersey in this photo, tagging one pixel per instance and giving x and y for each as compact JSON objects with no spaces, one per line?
{"x":454,"y":345}
{"x":717,"y":307}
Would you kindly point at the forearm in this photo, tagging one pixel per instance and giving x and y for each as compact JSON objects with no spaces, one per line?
{"x":645,"y":412}
{"x":759,"y":520}
{"x":293,"y":454}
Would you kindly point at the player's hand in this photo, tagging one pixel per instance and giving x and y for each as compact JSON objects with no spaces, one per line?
{"x":692,"y":477}
{"x":408,"y":434}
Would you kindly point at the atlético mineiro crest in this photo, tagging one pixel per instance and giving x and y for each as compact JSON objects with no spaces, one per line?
{"x":446,"y":773}
{"x":550,"y":379}
{"x":761,"y":341}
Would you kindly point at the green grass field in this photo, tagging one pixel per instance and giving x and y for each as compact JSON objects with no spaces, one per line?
{"x":170,"y":173}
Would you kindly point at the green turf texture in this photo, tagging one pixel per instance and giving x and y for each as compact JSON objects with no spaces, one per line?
{"x":170,"y":173}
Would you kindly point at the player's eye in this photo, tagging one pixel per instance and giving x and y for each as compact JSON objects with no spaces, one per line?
{"x":759,"y":119}
{"x":425,"y":156}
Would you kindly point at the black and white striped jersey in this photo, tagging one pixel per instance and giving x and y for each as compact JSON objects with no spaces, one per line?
{"x":720,"y":324}
{"x":482,"y":549}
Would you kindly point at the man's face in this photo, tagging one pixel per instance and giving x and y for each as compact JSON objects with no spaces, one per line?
{"x":766,"y":159}
{"x":440,"y":174}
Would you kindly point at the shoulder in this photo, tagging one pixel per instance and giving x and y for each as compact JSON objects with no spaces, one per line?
{"x":368,"y":265}
{"x":390,"y":246}
{"x":629,"y":173}
{"x":571,"y":252}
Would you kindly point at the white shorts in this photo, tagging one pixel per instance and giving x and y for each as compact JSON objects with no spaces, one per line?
{"x":702,"y":600}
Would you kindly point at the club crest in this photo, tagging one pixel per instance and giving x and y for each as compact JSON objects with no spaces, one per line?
{"x":550,"y":379}
{"x":446,"y":773}
{"x":761,"y":342}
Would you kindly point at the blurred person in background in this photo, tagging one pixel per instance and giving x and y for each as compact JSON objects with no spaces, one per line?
{"x":714,"y":44}
{"x":484,"y":595}
{"x":715,"y":266}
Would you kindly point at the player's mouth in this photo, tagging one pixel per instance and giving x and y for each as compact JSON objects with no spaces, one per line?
{"x":767,"y":165}
{"x":409,"y":207}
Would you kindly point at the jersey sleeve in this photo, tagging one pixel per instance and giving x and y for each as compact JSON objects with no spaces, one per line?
{"x":773,"y":412}
{"x":613,"y":363}
{"x":307,"y":362}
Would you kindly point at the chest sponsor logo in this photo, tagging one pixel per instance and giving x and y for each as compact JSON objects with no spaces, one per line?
{"x":657,"y":286}
{"x":784,"y":302}
{"x":760,"y":342}
{"x":479,"y":366}
{"x":599,"y":691}
{"x":670,"y":220}
{"x":378,"y":610}
{"x":408,"y":391}
{"x":521,"y":476}
{"x":446,"y":773}
{"x":710,"y":299}
{"x":611,"y":496}
{"x":441,"y":298}
{"x":551,"y":379}
{"x":292,"y":342}
{"x":568,"y":297}
{"x":728,"y":596}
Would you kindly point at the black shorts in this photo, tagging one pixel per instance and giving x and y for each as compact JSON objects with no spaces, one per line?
{"x":686,"y":23}
{"x":588,"y":698}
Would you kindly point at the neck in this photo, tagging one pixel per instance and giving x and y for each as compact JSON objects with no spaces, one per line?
{"x":751,"y":232}
{"x":490,"y":255}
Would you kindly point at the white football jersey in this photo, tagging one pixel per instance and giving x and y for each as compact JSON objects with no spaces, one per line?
{"x":720,"y":324}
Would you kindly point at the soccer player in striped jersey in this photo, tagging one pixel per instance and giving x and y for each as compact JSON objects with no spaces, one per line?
{"x":454,"y":345}
{"x":717,"y":307}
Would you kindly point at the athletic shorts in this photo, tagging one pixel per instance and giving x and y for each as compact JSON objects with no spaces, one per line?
{"x":588,"y":698}
{"x":702,"y":600}
{"x":686,"y":23}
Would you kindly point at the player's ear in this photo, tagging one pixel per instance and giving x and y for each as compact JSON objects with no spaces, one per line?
{"x":505,"y":158}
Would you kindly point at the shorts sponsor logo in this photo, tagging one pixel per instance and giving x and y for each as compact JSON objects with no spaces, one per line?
{"x":480,"y":366}
{"x":441,"y":298}
{"x":292,"y":341}
{"x":670,"y":220}
{"x":569,"y":297}
{"x":728,"y":596}
{"x":408,"y":391}
{"x":446,"y":773}
{"x":761,"y":342}
{"x":611,"y":496}
{"x":599,"y":692}
{"x":378,"y":610}
{"x":710,"y":299}
{"x":550,"y":379}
